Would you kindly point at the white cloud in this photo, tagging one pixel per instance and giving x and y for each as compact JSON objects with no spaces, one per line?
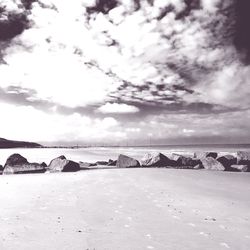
{"x":118,"y":108}
{"x":47,"y":64}
{"x":65,"y":57}
{"x":27,"y":123}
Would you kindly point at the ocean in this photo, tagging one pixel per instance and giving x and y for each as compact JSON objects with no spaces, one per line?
{"x":93,"y":154}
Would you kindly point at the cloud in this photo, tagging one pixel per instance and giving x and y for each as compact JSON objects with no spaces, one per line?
{"x":119,"y":108}
{"x":156,"y":60}
{"x":82,"y":50}
{"x":23,"y":122}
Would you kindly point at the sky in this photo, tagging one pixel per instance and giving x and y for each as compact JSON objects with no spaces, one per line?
{"x":125,"y":72}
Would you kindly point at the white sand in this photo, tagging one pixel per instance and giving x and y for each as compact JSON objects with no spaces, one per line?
{"x":128,"y":209}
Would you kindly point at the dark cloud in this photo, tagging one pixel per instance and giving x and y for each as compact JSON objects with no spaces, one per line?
{"x":242,"y":30}
{"x":28,"y":3}
{"x":190,"y":5}
{"x":27,"y":97}
{"x":103,"y":6}
{"x":13,"y":25}
{"x":23,"y":97}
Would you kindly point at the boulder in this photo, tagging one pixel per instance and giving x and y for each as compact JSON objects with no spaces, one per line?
{"x":185,"y":160}
{"x":210,"y":163}
{"x":112,"y":162}
{"x":86,"y":165}
{"x":227,"y":161}
{"x":101,"y":163}
{"x":61,"y":164}
{"x":198,"y":167}
{"x":1,"y":169}
{"x":201,"y":155}
{"x":15,"y":159}
{"x":240,"y":168}
{"x":17,"y":164}
{"x":243,"y":158}
{"x":157,"y":160}
{"x":124,"y":161}
{"x":27,"y":168}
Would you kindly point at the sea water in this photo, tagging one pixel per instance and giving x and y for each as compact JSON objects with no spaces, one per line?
{"x":93,"y":154}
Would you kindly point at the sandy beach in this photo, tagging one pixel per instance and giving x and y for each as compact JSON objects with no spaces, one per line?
{"x":127,"y":209}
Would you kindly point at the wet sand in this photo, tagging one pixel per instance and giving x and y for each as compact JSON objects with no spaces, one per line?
{"x":128,"y":209}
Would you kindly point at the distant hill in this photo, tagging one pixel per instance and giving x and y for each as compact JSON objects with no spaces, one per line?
{"x":4,"y":143}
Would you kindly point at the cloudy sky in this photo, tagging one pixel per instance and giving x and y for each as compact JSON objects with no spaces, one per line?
{"x":125,"y":71}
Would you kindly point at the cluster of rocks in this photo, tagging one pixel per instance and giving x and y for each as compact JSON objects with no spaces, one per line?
{"x":17,"y":164}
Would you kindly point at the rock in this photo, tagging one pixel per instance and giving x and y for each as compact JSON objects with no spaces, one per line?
{"x":101,"y":163}
{"x":17,"y":164}
{"x":157,"y":160}
{"x":61,"y":164}
{"x":227,"y":161}
{"x":127,"y":162}
{"x":210,"y":163}
{"x":198,"y":167}
{"x":112,"y":162}
{"x":185,"y":160}
{"x":241,"y":168}
{"x":15,"y":159}
{"x":1,"y":169}
{"x":183,"y":167}
{"x":243,"y":158}
{"x":201,"y":155}
{"x":86,"y":165}
{"x":27,"y":168}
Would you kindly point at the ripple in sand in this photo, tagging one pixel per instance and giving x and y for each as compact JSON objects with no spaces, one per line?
{"x":159,"y":205}
{"x":222,"y":227}
{"x":42,"y":208}
{"x":176,"y":217}
{"x":223,"y":244}
{"x":204,"y":234}
{"x":191,"y":224}
{"x":24,"y":212}
{"x":150,"y":247}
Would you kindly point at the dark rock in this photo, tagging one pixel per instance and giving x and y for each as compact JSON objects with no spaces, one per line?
{"x":126,"y":162}
{"x":15,"y":159}
{"x":1,"y":169}
{"x":199,"y":166}
{"x":243,"y":158}
{"x":17,"y":164}
{"x":101,"y":163}
{"x":61,"y":164}
{"x":112,"y":162}
{"x":157,"y":160}
{"x":227,"y":161}
{"x":241,"y":168}
{"x":210,"y":163}
{"x":201,"y":155}
{"x":185,"y":160}
{"x":183,"y":167}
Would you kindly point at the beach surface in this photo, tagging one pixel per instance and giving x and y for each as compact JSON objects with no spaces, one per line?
{"x":127,"y":209}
